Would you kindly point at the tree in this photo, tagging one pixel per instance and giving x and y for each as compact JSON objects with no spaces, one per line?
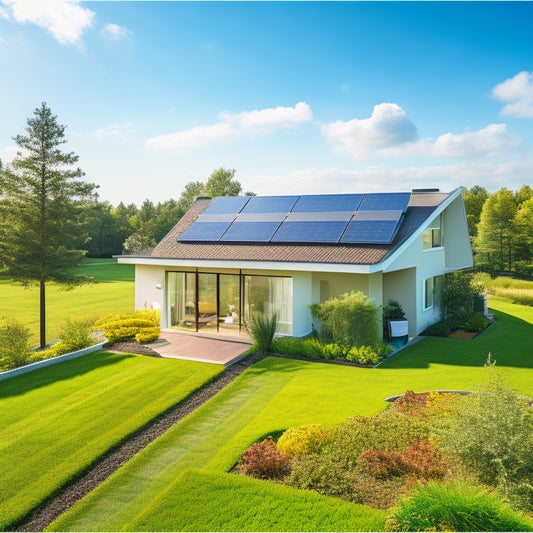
{"x":192,"y":190}
{"x":496,"y":232}
{"x":474,"y":199}
{"x":221,"y":183}
{"x":40,"y":225}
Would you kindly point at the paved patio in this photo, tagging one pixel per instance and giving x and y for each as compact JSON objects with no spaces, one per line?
{"x":196,"y":347}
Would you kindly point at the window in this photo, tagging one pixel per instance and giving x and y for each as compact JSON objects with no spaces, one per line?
{"x":429,"y":293}
{"x":432,"y":237}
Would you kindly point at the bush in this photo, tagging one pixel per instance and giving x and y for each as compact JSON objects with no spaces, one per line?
{"x":475,"y":323}
{"x":392,"y":310}
{"x":263,"y":460}
{"x":524,"y":268}
{"x":147,"y":335}
{"x":460,"y":298}
{"x":455,"y":507}
{"x":439,"y":329}
{"x":364,"y":355}
{"x":74,"y":334}
{"x":332,"y":351}
{"x":262,"y":330}
{"x":492,"y":434}
{"x":349,"y":320}
{"x":312,"y":347}
{"x":124,"y":326}
{"x":15,"y":348}
{"x":302,"y":440}
{"x":287,"y":346}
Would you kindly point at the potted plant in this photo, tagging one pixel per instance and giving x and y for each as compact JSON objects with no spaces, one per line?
{"x":395,"y":325}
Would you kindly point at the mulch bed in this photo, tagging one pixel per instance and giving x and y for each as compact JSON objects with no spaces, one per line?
{"x":131,"y":347}
{"x":116,"y":457}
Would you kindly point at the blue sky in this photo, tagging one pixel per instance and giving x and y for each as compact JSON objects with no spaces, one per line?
{"x":303,"y":97}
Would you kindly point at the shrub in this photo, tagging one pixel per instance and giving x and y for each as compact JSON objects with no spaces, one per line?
{"x":312,"y":347}
{"x":392,"y":310}
{"x":262,"y":330}
{"x":424,"y":461}
{"x":363,"y":355}
{"x":524,"y":268}
{"x":349,"y":320}
{"x":263,"y":460}
{"x":302,"y":440}
{"x":15,"y":348}
{"x":74,"y":334}
{"x":492,"y":434}
{"x":455,"y":507}
{"x":287,"y":346}
{"x":332,"y":351}
{"x":439,"y":329}
{"x":384,"y":350}
{"x":475,"y":323}
{"x":147,"y":335}
{"x":384,"y":464}
{"x":124,"y":326}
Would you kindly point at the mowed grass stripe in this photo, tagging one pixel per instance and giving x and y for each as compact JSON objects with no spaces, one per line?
{"x":73,"y":426}
{"x":201,"y":501}
{"x":275,"y":394}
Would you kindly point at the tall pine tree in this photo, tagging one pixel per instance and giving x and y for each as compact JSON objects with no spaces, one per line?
{"x":40,"y":200}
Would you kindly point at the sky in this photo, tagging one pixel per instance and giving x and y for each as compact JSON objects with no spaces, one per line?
{"x":297,"y":97}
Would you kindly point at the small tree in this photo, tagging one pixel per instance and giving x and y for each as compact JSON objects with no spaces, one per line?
{"x":40,"y":209}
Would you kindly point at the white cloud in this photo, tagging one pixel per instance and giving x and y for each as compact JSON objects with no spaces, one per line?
{"x":232,"y":126}
{"x":114,"y":31}
{"x":518,"y":92}
{"x":387,"y":127}
{"x":512,"y":174}
{"x":66,"y":20}
{"x":114,"y":131}
{"x":389,"y":133}
{"x":4,"y":14}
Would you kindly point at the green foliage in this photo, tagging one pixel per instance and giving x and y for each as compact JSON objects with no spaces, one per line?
{"x":262,"y":330}
{"x":15,"y":348}
{"x":455,"y":507}
{"x":263,"y":460}
{"x":349,"y":320}
{"x":460,"y":298}
{"x":364,"y":355}
{"x":393,"y":310}
{"x":474,"y":199}
{"x":302,"y":440}
{"x":493,"y":433}
{"x":75,"y":334}
{"x":475,"y":323}
{"x":439,"y":329}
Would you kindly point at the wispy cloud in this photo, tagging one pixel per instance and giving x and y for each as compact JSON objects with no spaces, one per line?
{"x":4,"y":14}
{"x":390,"y":133}
{"x":114,"y":31}
{"x":518,"y":93}
{"x":232,"y":126}
{"x":115,"y":131}
{"x":66,"y":20}
{"x":492,"y":175}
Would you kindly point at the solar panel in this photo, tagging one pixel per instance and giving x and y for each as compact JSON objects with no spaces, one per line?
{"x":319,"y":203}
{"x":370,"y":231}
{"x":204,"y":231}
{"x":377,"y":215}
{"x":270,"y":204}
{"x":310,"y":231}
{"x":250,"y":232}
{"x":226,"y":205}
{"x":319,"y":217}
{"x":385,"y":201}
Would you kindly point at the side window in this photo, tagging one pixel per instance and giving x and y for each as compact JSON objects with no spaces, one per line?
{"x":432,"y":237}
{"x":429,"y":293}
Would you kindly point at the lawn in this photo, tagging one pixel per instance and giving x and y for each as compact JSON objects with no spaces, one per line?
{"x":57,"y":421}
{"x":274,"y":395}
{"x":112,"y":291}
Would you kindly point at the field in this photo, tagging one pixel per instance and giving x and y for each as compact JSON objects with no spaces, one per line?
{"x":57,"y":421}
{"x":514,"y":290}
{"x":274,"y":395}
{"x":112,"y":291}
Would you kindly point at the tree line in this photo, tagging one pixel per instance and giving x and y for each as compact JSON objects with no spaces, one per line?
{"x":501,"y":228}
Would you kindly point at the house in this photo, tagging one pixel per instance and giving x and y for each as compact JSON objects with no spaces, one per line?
{"x":231,"y":256}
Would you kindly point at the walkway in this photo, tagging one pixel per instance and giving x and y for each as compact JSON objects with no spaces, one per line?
{"x":194,"y":347}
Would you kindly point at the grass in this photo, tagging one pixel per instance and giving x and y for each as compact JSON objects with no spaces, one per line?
{"x":55,"y":422}
{"x":113,"y":291}
{"x":279,"y":393}
{"x":224,"y":502}
{"x":514,"y":290}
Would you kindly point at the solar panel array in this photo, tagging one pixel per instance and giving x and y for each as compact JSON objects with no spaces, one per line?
{"x":323,"y":219}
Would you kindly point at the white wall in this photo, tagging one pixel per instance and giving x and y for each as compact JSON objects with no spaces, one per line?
{"x":147,"y":295}
{"x":400,"y":286}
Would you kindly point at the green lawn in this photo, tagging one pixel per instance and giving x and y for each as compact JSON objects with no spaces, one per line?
{"x":278,"y":393}
{"x":113,"y":291}
{"x":56,"y":421}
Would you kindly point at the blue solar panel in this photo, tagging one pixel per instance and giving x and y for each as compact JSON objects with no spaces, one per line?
{"x":270,"y":204}
{"x":385,"y":201}
{"x":250,"y":232}
{"x":223,"y":205}
{"x":311,"y":231}
{"x":370,"y":232}
{"x":204,"y":231}
{"x":324,"y":203}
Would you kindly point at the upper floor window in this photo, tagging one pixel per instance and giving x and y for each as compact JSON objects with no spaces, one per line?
{"x":432,"y":236}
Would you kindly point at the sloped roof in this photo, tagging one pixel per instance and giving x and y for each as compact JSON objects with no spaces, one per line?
{"x":420,"y":207}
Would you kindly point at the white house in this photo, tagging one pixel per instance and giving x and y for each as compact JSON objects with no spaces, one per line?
{"x":232,"y":255}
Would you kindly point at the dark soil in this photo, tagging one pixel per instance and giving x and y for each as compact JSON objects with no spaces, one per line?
{"x":131,"y":347}
{"x":116,"y":457}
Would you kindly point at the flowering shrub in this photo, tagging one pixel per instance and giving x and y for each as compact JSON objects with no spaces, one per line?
{"x":263,"y":460}
{"x":124,"y":326}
